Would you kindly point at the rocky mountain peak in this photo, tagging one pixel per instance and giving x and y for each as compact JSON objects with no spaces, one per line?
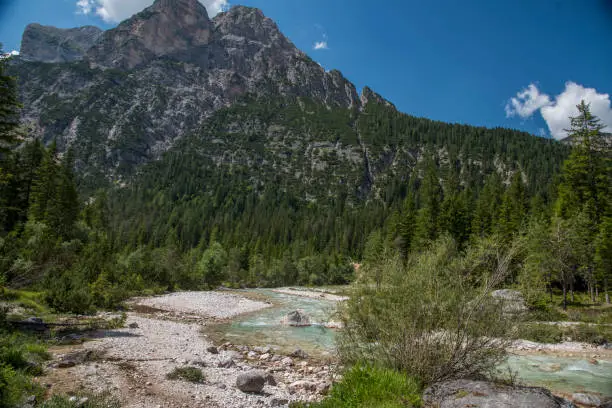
{"x":368,"y":95}
{"x":52,"y":44}
{"x":175,"y":28}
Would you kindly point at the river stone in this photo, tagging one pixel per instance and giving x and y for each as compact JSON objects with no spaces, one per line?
{"x":482,"y":394}
{"x":297,"y":318}
{"x":253,"y":381}
{"x":226,"y":363}
{"x":586,"y":399}
{"x":302,"y":385}
{"x":299,"y":353}
{"x":212,"y":350}
{"x":513,"y":301}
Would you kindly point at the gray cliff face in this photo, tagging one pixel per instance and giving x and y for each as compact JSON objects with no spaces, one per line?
{"x":158,"y":76}
{"x":51,"y":44}
{"x":178,"y":29}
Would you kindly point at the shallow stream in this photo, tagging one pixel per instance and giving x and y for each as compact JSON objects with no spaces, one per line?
{"x":560,"y":374}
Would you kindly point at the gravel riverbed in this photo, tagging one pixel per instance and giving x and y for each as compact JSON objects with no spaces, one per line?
{"x":133,"y":362}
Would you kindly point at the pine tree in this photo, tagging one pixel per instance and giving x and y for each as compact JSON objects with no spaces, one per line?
{"x":586,"y":177}
{"x":63,"y":208}
{"x":44,"y":188}
{"x":9,"y":106}
{"x":514,"y":207}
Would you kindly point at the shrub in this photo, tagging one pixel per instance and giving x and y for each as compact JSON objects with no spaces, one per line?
{"x":433,"y":318}
{"x":191,"y":374}
{"x":367,"y":386}
{"x":541,"y":333}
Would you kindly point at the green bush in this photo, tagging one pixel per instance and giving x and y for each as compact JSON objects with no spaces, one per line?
{"x":433,"y":318}
{"x":191,"y":374}
{"x":366,"y":387}
{"x":541,"y":333}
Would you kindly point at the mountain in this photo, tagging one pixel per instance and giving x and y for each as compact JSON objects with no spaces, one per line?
{"x":157,"y":77}
{"x":51,"y":44}
{"x":236,"y":95}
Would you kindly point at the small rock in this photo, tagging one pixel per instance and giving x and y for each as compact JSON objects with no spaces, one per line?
{"x":299,"y":353}
{"x":302,"y":385}
{"x":149,"y":383}
{"x":297,"y":318}
{"x":212,"y":350}
{"x":253,"y":381}
{"x":287,"y":361}
{"x":586,"y":399}
{"x":133,"y":325}
{"x":221,"y":386}
{"x":226,"y":363}
{"x":278,"y":402}
{"x":323,"y":388}
{"x":264,"y":357}
{"x":276,"y":358}
{"x":252,"y":355}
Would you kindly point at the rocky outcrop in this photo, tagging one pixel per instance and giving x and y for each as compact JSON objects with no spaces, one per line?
{"x":51,"y":44}
{"x":176,"y":29}
{"x":468,"y":393}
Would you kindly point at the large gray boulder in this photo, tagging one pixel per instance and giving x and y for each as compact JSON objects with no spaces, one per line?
{"x":483,"y":394}
{"x":297,"y":318}
{"x":512,"y":301}
{"x":252,"y":381}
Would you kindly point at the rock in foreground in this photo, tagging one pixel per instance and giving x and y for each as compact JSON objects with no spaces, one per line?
{"x":482,"y":394}
{"x":252,"y":381}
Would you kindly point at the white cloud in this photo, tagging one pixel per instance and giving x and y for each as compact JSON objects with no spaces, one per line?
{"x":114,"y":11}
{"x":321,"y":45}
{"x":526,"y":102}
{"x":557,"y":113}
{"x":14,"y":53}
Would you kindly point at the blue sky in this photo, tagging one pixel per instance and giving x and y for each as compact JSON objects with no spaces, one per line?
{"x":456,"y":61}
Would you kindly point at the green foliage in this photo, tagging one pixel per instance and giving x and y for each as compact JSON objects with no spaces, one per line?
{"x":104,"y":400}
{"x":433,"y":318}
{"x":366,"y":386}
{"x":541,"y":333}
{"x":191,"y":374}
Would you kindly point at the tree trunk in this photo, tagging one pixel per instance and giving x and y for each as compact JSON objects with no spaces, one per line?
{"x":564,"y":296}
{"x":550,"y":287}
{"x":572,"y":291}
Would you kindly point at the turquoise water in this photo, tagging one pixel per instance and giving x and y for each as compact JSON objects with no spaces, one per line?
{"x":262,"y":328}
{"x":564,"y":374}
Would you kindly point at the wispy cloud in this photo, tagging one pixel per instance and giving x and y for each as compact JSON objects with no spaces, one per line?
{"x":321,"y":45}
{"x":556,"y":112}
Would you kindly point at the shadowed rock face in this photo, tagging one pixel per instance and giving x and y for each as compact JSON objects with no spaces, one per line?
{"x":51,"y":44}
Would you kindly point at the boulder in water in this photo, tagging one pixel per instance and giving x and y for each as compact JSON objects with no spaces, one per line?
{"x":297,"y":318}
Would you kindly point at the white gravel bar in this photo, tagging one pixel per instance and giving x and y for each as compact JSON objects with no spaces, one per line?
{"x":208,"y":304}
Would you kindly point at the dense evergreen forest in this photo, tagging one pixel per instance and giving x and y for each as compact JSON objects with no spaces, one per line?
{"x":283,"y":191}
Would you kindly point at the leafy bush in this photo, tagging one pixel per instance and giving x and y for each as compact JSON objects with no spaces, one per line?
{"x":541,"y":333}
{"x":191,"y":374}
{"x":433,"y":318}
{"x":366,"y":386}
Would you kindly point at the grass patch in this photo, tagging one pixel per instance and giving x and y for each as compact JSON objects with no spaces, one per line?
{"x":541,"y":333}
{"x":104,"y":400}
{"x":367,"y":387}
{"x":191,"y":374}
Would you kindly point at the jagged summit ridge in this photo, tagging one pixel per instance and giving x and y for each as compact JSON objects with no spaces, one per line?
{"x":162,"y":73}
